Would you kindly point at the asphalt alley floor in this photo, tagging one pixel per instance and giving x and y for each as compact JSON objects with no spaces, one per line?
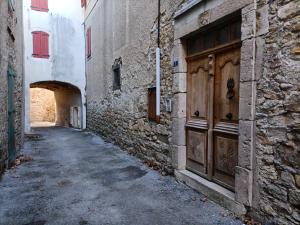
{"x":77,"y":178}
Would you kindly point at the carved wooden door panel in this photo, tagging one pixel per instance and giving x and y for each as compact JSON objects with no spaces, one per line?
{"x":197,"y":113}
{"x":212,"y":115}
{"x":226,"y":116}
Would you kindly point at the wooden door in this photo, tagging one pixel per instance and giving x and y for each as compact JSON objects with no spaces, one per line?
{"x":212,"y":115}
{"x":226,"y":116}
{"x":197,"y":111}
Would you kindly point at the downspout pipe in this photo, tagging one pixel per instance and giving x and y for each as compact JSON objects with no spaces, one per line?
{"x":158,"y":66}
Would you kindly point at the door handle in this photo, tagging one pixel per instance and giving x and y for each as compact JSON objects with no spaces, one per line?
{"x":229,"y":116}
{"x":197,"y":113}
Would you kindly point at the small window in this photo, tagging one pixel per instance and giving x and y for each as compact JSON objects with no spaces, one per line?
{"x":117,"y":78}
{"x":39,"y":5}
{"x":40,"y":44}
{"x":152,"y":104}
{"x":89,"y":43}
{"x":83,"y":3}
{"x":116,"y":69}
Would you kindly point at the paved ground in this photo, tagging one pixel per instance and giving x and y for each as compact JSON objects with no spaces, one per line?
{"x":42,"y":124}
{"x":76,"y":178}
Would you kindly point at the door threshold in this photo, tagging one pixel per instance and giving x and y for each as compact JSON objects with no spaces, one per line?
{"x":213,"y":191}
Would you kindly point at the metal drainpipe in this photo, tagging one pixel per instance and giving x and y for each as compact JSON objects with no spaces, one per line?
{"x":83,"y":97}
{"x":158,"y":67}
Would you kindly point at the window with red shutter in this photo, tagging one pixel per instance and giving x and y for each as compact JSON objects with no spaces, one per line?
{"x":40,"y":44}
{"x":35,"y":4}
{"x":89,"y":42}
{"x":44,"y":45}
{"x":83,"y":3}
{"x":44,"y":5}
{"x":40,"y":5}
{"x":36,"y":44}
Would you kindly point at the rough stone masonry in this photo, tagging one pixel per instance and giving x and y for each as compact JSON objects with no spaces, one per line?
{"x":278,"y":116}
{"x":11,"y":48}
{"x":121,"y":116}
{"x":43,"y":106}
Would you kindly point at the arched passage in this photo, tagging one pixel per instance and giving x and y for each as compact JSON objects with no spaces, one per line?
{"x":42,"y":107}
{"x":68,"y":102}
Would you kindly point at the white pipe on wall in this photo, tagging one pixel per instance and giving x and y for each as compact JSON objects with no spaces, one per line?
{"x":158,"y":82}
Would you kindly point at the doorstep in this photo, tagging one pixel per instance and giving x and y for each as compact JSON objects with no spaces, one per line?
{"x":213,"y":191}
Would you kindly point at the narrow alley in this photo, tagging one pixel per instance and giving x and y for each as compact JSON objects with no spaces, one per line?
{"x":77,"y":178}
{"x":157,"y":112}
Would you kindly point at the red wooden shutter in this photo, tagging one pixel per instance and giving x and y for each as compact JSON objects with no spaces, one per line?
{"x":89,"y":42}
{"x":40,"y":44}
{"x":83,"y":3}
{"x":44,"y":45}
{"x":40,"y":5}
{"x":35,"y":4}
{"x":44,"y":5}
{"x":36,"y":44}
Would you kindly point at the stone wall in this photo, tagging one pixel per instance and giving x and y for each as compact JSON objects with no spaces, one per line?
{"x":278,"y":117}
{"x":11,"y":53}
{"x":122,"y":116}
{"x":269,"y":164}
{"x":42,"y":105}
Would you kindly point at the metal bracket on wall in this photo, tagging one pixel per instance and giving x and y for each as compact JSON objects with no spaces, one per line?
{"x":117,"y":63}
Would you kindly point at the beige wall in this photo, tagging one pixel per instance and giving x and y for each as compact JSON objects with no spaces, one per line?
{"x":65,"y":99}
{"x":42,"y":105}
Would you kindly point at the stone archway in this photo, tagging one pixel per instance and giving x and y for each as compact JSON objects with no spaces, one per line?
{"x":68,"y":102}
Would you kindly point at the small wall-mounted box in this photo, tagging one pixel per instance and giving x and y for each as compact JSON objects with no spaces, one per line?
{"x":175,"y":63}
{"x":168,"y":104}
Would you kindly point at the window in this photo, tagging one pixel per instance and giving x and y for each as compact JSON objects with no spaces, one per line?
{"x":116,"y":69}
{"x":152,"y":104}
{"x":39,"y":5}
{"x":216,"y":36}
{"x":40,"y":44}
{"x":89,"y":43}
{"x":83,"y":3}
{"x":116,"y":78}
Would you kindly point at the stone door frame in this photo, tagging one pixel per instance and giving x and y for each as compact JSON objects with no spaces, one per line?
{"x":190,"y":18}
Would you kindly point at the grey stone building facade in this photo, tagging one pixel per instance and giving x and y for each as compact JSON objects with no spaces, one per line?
{"x":127,"y":29}
{"x":11,"y":80}
{"x":231,"y":70}
{"x":277,"y":146}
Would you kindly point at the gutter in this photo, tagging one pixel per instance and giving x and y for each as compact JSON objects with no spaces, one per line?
{"x":158,"y":67}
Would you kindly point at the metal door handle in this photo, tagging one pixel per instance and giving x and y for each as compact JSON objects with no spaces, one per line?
{"x":229,"y":116}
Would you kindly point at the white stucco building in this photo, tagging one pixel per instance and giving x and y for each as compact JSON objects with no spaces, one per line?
{"x":55,"y":60}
